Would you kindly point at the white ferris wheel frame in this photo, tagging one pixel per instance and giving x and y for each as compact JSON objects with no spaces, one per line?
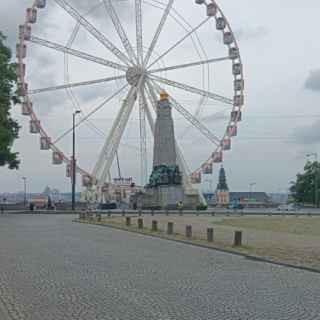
{"x":143,"y":82}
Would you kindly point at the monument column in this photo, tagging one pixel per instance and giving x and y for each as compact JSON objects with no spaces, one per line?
{"x":164,"y":152}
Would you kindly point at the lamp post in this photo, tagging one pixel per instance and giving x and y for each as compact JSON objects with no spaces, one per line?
{"x":24,"y":191}
{"x":315,"y":155}
{"x":73,"y":179}
{"x":250,"y":188}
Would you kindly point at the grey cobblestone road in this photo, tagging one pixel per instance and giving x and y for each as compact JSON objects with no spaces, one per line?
{"x":53,"y":269}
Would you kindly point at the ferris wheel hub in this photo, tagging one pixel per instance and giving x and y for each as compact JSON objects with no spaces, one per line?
{"x":134,"y":74}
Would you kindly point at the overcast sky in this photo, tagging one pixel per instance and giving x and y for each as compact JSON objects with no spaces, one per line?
{"x":279,"y":47}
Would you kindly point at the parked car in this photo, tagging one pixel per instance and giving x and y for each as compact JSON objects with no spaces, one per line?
{"x":236,"y":206}
{"x":289,"y":207}
{"x":107,"y":206}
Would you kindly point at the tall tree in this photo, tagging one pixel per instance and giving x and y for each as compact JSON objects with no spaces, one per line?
{"x":304,"y":188}
{"x":8,"y":127}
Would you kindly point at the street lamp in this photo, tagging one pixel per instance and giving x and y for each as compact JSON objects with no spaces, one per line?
{"x":73,"y":180}
{"x":315,"y":155}
{"x":24,"y":191}
{"x":250,"y":188}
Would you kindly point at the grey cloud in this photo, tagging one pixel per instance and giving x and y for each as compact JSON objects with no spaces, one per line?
{"x":307,"y":135}
{"x":219,"y":116}
{"x":10,"y":19}
{"x":12,"y":14}
{"x":98,"y":11}
{"x":251,"y":33}
{"x":313,"y":81}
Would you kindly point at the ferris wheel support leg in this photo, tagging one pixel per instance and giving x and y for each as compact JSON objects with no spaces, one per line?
{"x":99,"y":164}
{"x":113,"y":147}
{"x":148,"y":112}
{"x":143,"y":139}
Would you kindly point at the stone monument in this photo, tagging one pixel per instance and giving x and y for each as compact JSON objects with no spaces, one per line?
{"x":165,"y":188}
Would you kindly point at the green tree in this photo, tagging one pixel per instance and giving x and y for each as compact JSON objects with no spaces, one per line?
{"x":303,"y":189}
{"x":8,"y":127}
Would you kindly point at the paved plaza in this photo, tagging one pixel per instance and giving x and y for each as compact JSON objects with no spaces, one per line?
{"x":53,"y":269}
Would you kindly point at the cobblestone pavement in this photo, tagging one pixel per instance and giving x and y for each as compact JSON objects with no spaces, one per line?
{"x":53,"y":269}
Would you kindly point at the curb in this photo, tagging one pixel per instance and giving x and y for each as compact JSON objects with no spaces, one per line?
{"x":199,"y":245}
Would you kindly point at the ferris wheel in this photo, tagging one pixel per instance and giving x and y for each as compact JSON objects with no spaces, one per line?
{"x":143,"y":48}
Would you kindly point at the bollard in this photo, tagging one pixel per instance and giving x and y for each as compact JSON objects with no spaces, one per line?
{"x":154,"y":225}
{"x":189,"y":232}
{"x":109,"y":213}
{"x":167,"y":212}
{"x":140,"y":223}
{"x":128,"y":221}
{"x":210,"y":234}
{"x":140,"y":213}
{"x":170,"y":228}
{"x":213,"y":214}
{"x":237,"y":239}
{"x":152,"y":213}
{"x":123,"y":213}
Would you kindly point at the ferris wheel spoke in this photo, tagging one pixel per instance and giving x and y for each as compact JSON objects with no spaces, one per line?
{"x":91,"y":29}
{"x":138,"y":9}
{"x":158,"y":32}
{"x":194,"y":90}
{"x":77,"y":53}
{"x":188,"y":116}
{"x":75,"y":85}
{"x":180,"y":41}
{"x":91,"y":113}
{"x":192,"y":64}
{"x":120,"y":30}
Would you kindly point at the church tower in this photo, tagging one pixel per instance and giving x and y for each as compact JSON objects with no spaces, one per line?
{"x":222,"y":192}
